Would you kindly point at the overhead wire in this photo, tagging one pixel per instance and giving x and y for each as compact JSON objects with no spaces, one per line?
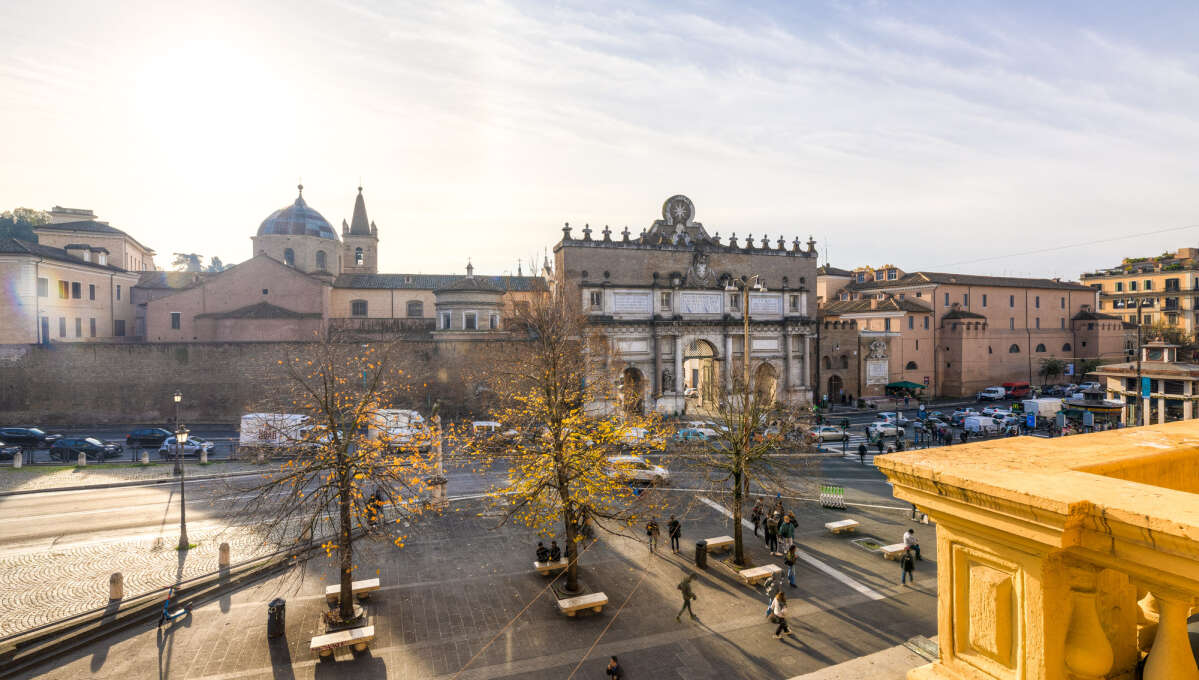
{"x":1039,"y":251}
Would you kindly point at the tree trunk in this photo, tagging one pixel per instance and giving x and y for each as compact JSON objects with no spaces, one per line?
{"x":738,"y":547}
{"x":345,"y":549}
{"x":572,"y":551}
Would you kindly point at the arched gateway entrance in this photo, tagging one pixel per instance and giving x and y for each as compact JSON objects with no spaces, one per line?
{"x":766,"y":383}
{"x":632,"y":391}
{"x":701,"y":374}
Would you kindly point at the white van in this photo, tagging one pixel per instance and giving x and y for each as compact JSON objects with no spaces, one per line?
{"x":274,"y":431}
{"x":399,"y":428}
{"x":992,"y":394}
{"x":980,"y":425}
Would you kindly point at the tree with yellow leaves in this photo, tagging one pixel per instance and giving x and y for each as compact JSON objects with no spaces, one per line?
{"x":349,"y":471}
{"x":560,"y":424}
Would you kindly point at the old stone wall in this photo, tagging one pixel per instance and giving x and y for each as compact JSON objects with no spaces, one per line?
{"x":98,"y":383}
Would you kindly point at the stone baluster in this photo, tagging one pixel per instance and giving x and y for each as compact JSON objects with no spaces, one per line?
{"x":1147,"y":616}
{"x":1171,"y":657}
{"x":1088,"y":652}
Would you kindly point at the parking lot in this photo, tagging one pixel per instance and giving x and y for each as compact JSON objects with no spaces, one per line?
{"x":222,"y":437}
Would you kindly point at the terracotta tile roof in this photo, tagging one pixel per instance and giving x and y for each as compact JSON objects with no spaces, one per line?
{"x":435,"y":281}
{"x":962,"y":314}
{"x":828,"y":270}
{"x":17,"y":246}
{"x":924,"y":278}
{"x":88,"y":226}
{"x":171,"y":280}
{"x":890,"y":304}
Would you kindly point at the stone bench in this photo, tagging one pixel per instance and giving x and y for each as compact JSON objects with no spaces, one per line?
{"x":842,"y":525}
{"x":756,"y":575}
{"x":331,"y":643}
{"x":719,"y":543}
{"x":593,"y":601}
{"x":544,"y":568}
{"x":362,"y":590}
{"x":893,"y":551}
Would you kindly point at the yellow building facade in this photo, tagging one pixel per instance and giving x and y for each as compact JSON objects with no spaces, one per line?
{"x":1062,"y":559}
{"x":1166,"y":288}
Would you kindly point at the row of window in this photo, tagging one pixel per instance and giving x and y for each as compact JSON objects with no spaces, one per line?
{"x":415,"y":308}
{"x":118,"y":327}
{"x":470,"y":321}
{"x":289,"y":258}
{"x":70,"y":290}
{"x":666,"y":300}
{"x":1011,"y":300}
{"x":1147,"y":284}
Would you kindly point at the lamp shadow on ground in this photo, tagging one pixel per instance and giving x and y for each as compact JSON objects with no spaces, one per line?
{"x":101,"y":653}
{"x":223,"y":580}
{"x":281,"y":659}
{"x":365,"y":666}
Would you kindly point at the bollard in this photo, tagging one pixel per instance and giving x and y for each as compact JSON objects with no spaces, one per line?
{"x":116,"y":586}
{"x":204,"y":456}
{"x":18,"y":459}
{"x":145,"y":457}
{"x":223,"y":558}
{"x":82,"y":459}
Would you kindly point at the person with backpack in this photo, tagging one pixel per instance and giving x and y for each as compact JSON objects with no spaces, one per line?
{"x":652,"y":532}
{"x":675,"y":530}
{"x":755,"y":516}
{"x":789,"y":559}
{"x":778,"y":614}
{"x":907,"y":565}
{"x":787,"y":531}
{"x":772,"y":534}
{"x":688,"y":596}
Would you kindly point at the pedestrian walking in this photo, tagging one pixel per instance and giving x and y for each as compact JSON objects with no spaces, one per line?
{"x":778,"y":614}
{"x":787,"y":531}
{"x":906,"y":399}
{"x":755,"y":515}
{"x":880,"y":444}
{"x":772,"y":534}
{"x":675,"y":530}
{"x":909,"y":539}
{"x":651,"y":531}
{"x":614,"y":670}
{"x":789,"y":559}
{"x":862,"y":452}
{"x":907,"y":565}
{"x":688,"y":596}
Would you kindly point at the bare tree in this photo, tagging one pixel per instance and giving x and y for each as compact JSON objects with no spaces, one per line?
{"x":561,"y":422}
{"x":347,"y":468}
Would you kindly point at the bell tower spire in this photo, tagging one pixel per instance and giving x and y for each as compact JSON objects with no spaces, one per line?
{"x":360,"y":249}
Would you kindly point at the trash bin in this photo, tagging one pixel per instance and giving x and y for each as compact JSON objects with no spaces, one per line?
{"x":701,"y":554}
{"x":276,"y":615}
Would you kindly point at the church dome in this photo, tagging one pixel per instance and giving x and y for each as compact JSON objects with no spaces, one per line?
{"x":297,"y":219}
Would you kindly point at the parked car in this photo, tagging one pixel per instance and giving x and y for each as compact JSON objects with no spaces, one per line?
{"x":1088,"y":386}
{"x":191,"y":448}
{"x":8,"y":451}
{"x":892,"y":417}
{"x":68,"y":449}
{"x":992,"y":394}
{"x":687,"y":434}
{"x":884,"y":429}
{"x":146,"y":437}
{"x":1017,"y":390}
{"x":960,"y":415}
{"x":637,"y":469}
{"x":827,"y":433}
{"x":28,"y":437}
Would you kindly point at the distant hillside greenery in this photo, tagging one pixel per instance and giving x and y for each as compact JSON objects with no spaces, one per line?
{"x":19,"y":223}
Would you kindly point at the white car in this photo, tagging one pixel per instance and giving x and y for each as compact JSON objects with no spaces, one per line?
{"x":884,"y":429}
{"x":638,"y":469}
{"x":825,"y":433}
{"x":892,"y":417}
{"x":191,"y":448}
{"x":1088,"y":386}
{"x":992,"y":394}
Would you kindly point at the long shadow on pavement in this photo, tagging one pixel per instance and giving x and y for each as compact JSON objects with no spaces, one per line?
{"x":281,"y":659}
{"x":363,"y":667}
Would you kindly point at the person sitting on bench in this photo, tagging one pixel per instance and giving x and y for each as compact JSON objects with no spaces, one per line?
{"x":543,"y":555}
{"x":555,"y":551}
{"x":909,"y":539}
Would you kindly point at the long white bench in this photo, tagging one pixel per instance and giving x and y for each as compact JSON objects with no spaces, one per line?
{"x":719,"y":543}
{"x":758,"y":574}
{"x":842,"y":525}
{"x":893,"y":551}
{"x":546,"y":567}
{"x":362,"y":589}
{"x":330,"y":643}
{"x":593,"y":601}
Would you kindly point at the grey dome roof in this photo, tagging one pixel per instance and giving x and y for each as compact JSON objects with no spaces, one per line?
{"x":297,"y":219}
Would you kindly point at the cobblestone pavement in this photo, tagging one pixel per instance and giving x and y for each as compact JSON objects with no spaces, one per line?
{"x":460,"y":600}
{"x":41,"y":587}
{"x":57,"y":477}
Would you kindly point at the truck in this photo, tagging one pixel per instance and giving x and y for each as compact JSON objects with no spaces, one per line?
{"x":272,"y":431}
{"x":1045,"y":407}
{"x":399,"y":428}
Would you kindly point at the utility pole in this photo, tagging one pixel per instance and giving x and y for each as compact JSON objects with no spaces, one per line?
{"x":1144,"y":400}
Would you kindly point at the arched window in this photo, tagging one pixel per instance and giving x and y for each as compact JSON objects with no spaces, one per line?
{"x":320,"y":261}
{"x":910,"y":367}
{"x":828,"y":363}
{"x":357,"y":307}
{"x":1014,"y":349}
{"x":989,"y":350}
{"x":358,"y":259}
{"x":844,"y":361}
{"x":289,"y":257}
{"x":1040,"y":348}
{"x":416,"y":308}
{"x":1066,"y":347}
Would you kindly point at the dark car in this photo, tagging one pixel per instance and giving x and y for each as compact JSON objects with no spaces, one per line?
{"x":67,"y":450}
{"x":8,"y":451}
{"x":27,"y":437}
{"x":147,"y":438}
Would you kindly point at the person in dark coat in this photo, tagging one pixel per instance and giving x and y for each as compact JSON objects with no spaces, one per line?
{"x":688,"y":596}
{"x":772,"y":534}
{"x":862,"y":452}
{"x":907,"y":565}
{"x":755,"y":515}
{"x":555,"y":551}
{"x":543,"y":555}
{"x":676,"y":532}
{"x":613,"y":670}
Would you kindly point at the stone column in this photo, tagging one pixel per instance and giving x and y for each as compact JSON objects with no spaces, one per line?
{"x":787,"y":382}
{"x":807,"y":360}
{"x":1171,"y":657}
{"x":1145,"y":411}
{"x":678,"y":364}
{"x":656,"y":348}
{"x":728,"y":363}
{"x":1161,"y":406}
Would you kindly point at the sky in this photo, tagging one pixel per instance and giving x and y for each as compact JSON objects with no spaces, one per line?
{"x":1008,"y":138}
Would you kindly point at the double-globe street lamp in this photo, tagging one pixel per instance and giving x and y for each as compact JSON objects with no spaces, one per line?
{"x":181,"y":440}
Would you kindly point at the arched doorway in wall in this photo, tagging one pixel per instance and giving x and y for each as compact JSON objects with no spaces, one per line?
{"x":701,"y":374}
{"x":766,"y":380}
{"x":632,"y":391}
{"x":835,"y":388}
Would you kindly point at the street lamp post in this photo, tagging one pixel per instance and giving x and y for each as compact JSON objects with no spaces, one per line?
{"x":745,"y":285}
{"x":181,"y":440}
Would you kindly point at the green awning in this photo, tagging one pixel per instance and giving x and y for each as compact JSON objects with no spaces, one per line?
{"x":905,"y":385}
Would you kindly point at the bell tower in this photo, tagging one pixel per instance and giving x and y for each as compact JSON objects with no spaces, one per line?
{"x":360,"y":242}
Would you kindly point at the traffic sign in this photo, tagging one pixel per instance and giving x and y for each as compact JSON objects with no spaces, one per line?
{"x":1030,"y":420}
{"x":1145,"y":390}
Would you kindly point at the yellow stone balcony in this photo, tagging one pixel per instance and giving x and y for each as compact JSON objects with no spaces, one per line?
{"x":1072,"y":558}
